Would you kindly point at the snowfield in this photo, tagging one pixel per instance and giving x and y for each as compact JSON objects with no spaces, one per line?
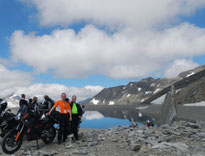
{"x":195,"y":104}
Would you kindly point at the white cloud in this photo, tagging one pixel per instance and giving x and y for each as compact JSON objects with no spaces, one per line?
{"x":55,"y":90}
{"x":112,"y":13}
{"x":16,"y":82}
{"x":11,"y":79}
{"x":125,"y":54}
{"x":179,"y":66}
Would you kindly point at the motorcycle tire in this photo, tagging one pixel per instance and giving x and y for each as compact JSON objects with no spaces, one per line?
{"x":50,"y":136}
{"x":5,"y":141}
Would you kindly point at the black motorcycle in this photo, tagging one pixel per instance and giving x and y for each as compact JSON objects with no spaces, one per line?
{"x":29,"y":126}
{"x":7,"y":119}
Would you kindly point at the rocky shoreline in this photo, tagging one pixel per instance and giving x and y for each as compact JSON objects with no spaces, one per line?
{"x":181,"y":138}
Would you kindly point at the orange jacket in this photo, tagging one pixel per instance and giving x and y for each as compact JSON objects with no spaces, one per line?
{"x":64,"y":106}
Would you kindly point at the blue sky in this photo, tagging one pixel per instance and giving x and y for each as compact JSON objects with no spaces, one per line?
{"x":17,"y":15}
{"x":14,"y":16}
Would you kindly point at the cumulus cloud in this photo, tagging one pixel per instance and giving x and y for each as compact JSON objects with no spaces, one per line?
{"x":55,"y":90}
{"x":125,"y":54}
{"x":113,"y":13}
{"x":17,"y":82}
{"x":179,"y":66}
{"x":147,"y":36}
{"x":12,"y":79}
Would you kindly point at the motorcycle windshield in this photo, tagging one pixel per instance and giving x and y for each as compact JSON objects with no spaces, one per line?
{"x":22,"y":111}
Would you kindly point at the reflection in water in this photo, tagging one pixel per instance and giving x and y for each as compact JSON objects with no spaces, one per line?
{"x":107,"y":117}
{"x":91,"y":115}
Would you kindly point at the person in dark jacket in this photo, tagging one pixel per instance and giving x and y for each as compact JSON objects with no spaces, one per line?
{"x":35,"y":116}
{"x":23,"y":101}
{"x":77,"y":113}
{"x":48,"y":103}
{"x":30,"y":101}
{"x":34,"y":104}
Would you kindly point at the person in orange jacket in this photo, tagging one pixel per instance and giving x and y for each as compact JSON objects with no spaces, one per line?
{"x":65,"y":117}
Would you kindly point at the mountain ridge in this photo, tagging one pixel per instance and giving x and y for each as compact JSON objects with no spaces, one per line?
{"x":147,"y":90}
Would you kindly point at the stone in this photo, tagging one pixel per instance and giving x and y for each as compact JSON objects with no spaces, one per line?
{"x":140,"y":131}
{"x":44,"y":153}
{"x":83,"y":152}
{"x":92,"y":144}
{"x":69,"y":146}
{"x":80,"y":152}
{"x":115,"y":139}
{"x":136,"y":147}
{"x":192,"y":125}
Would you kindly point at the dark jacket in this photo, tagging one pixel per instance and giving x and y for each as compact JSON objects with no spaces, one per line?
{"x":23,"y":102}
{"x":80,"y":111}
{"x":48,"y":104}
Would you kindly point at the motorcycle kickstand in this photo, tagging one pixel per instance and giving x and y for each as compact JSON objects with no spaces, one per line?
{"x":37,"y":144}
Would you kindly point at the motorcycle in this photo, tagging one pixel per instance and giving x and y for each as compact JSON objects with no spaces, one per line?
{"x":7,"y":119}
{"x":32,"y":128}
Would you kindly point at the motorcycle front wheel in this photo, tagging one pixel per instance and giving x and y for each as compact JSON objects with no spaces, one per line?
{"x":9,"y":145}
{"x":49,"y":135}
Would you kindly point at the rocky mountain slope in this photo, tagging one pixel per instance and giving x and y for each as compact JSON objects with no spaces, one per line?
{"x":179,"y":139}
{"x":193,"y":93}
{"x":149,"y":89}
{"x":134,"y":92}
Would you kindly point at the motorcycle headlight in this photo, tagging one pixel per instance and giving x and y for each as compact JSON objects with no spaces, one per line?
{"x":43,"y":116}
{"x":18,"y":116}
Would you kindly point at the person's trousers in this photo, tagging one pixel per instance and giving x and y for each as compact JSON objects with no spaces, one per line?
{"x":64,"y":125}
{"x":75,"y":124}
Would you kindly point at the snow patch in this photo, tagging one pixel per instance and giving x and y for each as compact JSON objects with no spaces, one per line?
{"x":142,"y":100}
{"x":195,"y":104}
{"x":178,"y":90}
{"x":13,"y":104}
{"x":148,"y":92}
{"x":190,"y":74}
{"x":153,"y":84}
{"x":124,"y":91}
{"x":159,"y":100}
{"x":124,"y":88}
{"x":111,"y":103}
{"x":141,"y":107}
{"x":94,"y":101}
{"x":156,"y":90}
{"x":139,"y":89}
{"x":128,"y":95}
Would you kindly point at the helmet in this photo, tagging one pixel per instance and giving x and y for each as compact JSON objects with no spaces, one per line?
{"x":67,"y":99}
{"x":3,"y":105}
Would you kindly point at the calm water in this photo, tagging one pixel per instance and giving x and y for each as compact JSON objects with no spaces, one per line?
{"x":110,"y":118}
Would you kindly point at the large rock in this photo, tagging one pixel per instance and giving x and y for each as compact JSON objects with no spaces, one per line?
{"x":168,"y":111}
